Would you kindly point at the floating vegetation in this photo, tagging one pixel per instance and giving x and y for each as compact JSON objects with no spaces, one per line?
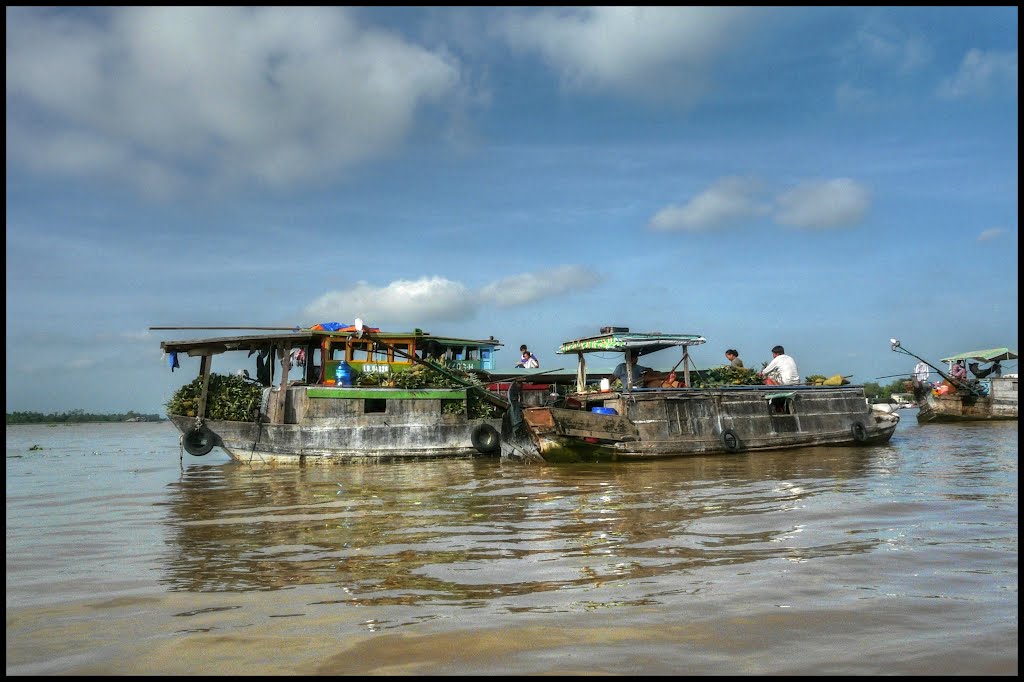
{"x":229,"y":397}
{"x":36,"y":447}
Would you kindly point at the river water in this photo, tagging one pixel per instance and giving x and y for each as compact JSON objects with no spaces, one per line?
{"x":126,"y":557}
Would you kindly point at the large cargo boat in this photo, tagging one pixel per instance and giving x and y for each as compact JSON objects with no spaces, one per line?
{"x":400,"y":395}
{"x":637,"y":422}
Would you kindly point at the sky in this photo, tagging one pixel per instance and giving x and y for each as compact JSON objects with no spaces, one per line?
{"x":824,"y":178}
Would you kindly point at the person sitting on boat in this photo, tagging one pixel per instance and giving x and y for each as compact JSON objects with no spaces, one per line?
{"x":958,"y":371}
{"x":781,"y":371}
{"x":638,"y":370}
{"x":528,"y":359}
{"x":670,"y":381}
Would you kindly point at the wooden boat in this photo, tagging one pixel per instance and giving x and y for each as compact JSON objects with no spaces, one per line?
{"x":301,"y":414}
{"x":986,"y":396}
{"x":637,"y":423}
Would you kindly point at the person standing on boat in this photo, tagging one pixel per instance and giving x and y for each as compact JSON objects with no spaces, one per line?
{"x":734,"y":357}
{"x":528,"y":360}
{"x":921,"y":374}
{"x":781,"y":371}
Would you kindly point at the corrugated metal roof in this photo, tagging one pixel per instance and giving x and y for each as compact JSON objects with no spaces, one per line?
{"x":299,"y":338}
{"x":987,"y":355}
{"x":621,"y":341}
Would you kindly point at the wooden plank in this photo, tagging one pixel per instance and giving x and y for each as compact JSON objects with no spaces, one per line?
{"x":204,"y":370}
{"x":582,"y":424}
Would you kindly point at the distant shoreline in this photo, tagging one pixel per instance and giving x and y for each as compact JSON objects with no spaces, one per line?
{"x":80,"y":417}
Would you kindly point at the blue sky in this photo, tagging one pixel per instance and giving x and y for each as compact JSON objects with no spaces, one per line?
{"x":821,"y":178}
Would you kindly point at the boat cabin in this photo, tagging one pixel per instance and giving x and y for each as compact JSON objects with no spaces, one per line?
{"x":385,"y":352}
{"x":621,"y":340}
{"x":366,"y":351}
{"x":975,"y":358}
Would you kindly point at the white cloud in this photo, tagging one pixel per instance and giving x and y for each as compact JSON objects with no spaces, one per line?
{"x":401,"y":302}
{"x":272,"y":94}
{"x":821,"y":205}
{"x":727,"y":202}
{"x":980,"y":74}
{"x":886,"y":45}
{"x":990,"y":234}
{"x":628,"y":48}
{"x":530,"y":287}
{"x":415,"y":302}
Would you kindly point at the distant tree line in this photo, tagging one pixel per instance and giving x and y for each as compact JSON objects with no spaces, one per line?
{"x":883,"y":394}
{"x":78,"y":417}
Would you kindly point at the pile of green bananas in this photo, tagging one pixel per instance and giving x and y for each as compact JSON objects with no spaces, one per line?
{"x":724,"y":376}
{"x":228,"y":397}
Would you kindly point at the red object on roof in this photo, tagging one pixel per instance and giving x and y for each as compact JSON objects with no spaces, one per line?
{"x":504,"y":386}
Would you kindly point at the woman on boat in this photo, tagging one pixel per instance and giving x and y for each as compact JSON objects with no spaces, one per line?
{"x":733,"y":356}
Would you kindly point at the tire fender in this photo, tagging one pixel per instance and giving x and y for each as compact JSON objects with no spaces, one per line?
{"x":485,"y":439}
{"x":198,"y":441}
{"x":730,"y":440}
{"x":860,"y":434}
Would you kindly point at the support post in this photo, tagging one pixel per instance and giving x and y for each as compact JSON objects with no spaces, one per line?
{"x":204,"y":371}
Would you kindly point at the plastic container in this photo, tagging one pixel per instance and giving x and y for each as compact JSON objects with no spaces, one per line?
{"x":603,"y":410}
{"x":606,"y":385}
{"x":343,"y":374}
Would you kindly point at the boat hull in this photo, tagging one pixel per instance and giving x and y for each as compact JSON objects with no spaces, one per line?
{"x":999,"y":405}
{"x":695,"y":422}
{"x":333,"y":425}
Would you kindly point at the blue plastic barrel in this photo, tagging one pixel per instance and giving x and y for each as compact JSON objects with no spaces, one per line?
{"x":603,"y":410}
{"x":343,"y":375}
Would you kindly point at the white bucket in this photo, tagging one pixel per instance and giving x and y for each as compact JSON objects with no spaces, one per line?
{"x":606,"y":385}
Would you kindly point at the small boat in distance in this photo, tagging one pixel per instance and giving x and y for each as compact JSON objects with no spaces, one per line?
{"x":637,"y":423}
{"x":988,"y":395}
{"x":337,"y":393}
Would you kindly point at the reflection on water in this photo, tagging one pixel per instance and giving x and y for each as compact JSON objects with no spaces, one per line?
{"x":466,"y":530}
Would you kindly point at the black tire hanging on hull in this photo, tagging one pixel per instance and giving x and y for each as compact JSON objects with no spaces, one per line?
{"x":198,"y":441}
{"x":485,"y":439}
{"x":730,"y":440}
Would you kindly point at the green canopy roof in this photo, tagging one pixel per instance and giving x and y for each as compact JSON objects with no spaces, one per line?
{"x":988,"y":355}
{"x":620,"y":341}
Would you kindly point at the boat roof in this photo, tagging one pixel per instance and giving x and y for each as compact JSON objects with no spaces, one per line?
{"x":645,"y":342}
{"x":300,"y":337}
{"x":987,"y":355}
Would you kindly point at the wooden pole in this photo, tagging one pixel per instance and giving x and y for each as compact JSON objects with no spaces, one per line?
{"x":280,"y":329}
{"x":581,"y":373}
{"x":204,"y":370}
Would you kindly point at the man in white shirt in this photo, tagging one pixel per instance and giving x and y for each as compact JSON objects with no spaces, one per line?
{"x":921,"y":373}
{"x":781,"y":371}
